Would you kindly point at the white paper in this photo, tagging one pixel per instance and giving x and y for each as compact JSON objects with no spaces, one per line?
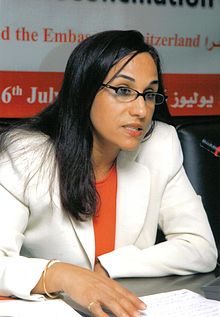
{"x":45,"y":308}
{"x":181,"y":303}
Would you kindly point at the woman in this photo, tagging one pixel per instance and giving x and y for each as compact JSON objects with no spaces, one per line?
{"x":88,"y":181}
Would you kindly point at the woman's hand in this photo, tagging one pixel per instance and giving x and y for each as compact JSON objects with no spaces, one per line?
{"x":93,"y":290}
{"x":96,"y":291}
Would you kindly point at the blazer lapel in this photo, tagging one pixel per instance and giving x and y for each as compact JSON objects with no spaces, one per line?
{"x":85,"y":233}
{"x":133,"y":190}
{"x":84,"y":230}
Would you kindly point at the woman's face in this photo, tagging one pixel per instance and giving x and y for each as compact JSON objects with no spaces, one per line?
{"x":121,"y":125}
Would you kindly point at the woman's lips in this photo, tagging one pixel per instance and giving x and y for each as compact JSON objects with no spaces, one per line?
{"x":135,"y":131}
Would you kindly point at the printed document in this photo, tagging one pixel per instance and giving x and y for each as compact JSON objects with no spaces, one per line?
{"x":180,"y":303}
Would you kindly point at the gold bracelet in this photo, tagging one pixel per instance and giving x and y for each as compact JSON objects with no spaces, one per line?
{"x":49,"y":264}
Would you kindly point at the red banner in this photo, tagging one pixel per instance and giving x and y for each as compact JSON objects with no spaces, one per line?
{"x":193,"y":94}
{"x":24,"y":94}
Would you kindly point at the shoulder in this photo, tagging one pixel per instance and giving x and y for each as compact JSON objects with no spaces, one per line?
{"x":163,"y":138}
{"x":25,"y":149}
{"x":19,"y":140}
{"x":23,"y":137}
{"x":160,"y":151}
{"x":27,"y":159}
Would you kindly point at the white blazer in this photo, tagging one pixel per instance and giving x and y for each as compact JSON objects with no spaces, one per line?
{"x":152,"y":191}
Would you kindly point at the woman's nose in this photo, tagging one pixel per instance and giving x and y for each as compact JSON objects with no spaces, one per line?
{"x":138,"y":107}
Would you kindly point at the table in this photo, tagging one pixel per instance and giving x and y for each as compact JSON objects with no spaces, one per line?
{"x":152,"y":285}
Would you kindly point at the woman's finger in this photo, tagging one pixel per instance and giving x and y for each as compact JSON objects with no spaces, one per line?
{"x":96,"y":310}
{"x":125,"y":293}
{"x":121,"y":307}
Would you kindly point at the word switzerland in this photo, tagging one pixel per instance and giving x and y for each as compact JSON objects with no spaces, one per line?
{"x":172,"y":40}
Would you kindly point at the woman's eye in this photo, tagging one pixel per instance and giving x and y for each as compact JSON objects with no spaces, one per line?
{"x":124,"y":91}
{"x":150,"y":96}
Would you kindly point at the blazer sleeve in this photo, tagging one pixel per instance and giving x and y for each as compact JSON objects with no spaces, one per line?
{"x":18,"y":274}
{"x":189,"y":246}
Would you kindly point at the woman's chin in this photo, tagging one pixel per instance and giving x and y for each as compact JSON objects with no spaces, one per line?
{"x":131,"y":146}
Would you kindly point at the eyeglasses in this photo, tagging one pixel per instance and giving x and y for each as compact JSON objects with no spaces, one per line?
{"x":126,"y":94}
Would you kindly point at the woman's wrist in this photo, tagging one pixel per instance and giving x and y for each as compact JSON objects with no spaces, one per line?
{"x":44,"y":279}
{"x":57,"y":277}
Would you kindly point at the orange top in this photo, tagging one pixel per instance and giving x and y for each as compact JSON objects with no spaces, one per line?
{"x":104,"y":221}
{"x":6,"y":298}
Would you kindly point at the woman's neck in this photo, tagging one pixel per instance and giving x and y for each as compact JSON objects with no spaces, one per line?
{"x":102,"y":163}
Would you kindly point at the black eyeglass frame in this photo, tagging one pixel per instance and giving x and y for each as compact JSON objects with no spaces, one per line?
{"x":164,"y":97}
